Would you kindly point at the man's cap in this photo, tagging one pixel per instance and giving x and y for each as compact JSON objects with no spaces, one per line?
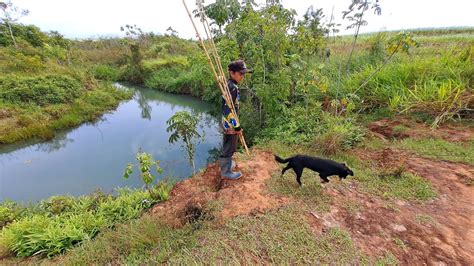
{"x":239,"y":66}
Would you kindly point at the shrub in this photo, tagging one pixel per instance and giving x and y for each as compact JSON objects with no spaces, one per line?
{"x":105,"y":72}
{"x":58,"y":204}
{"x":337,"y":133}
{"x":294,"y":125}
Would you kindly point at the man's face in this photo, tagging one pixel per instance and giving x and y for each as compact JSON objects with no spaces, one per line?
{"x":237,"y":76}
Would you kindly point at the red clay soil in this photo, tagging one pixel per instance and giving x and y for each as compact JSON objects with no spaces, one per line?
{"x":386,"y":128}
{"x":438,"y":232}
{"x":247,"y":195}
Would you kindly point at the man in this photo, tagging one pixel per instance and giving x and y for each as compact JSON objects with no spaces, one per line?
{"x":232,"y":130}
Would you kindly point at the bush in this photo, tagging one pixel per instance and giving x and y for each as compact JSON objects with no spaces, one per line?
{"x":337,"y":133}
{"x":105,"y":72}
{"x":43,"y":90}
{"x":294,"y":125}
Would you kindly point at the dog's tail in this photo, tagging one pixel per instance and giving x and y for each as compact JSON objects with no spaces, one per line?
{"x":280,"y":160}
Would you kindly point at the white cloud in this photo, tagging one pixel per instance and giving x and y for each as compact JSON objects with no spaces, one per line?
{"x":89,"y":18}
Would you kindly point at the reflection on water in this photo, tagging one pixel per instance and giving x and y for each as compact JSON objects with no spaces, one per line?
{"x":94,"y":155}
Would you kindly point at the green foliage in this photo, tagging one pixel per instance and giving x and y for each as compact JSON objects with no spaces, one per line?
{"x":222,"y":12}
{"x":61,"y":222}
{"x":105,"y":72}
{"x":337,"y":134}
{"x":51,"y":89}
{"x":303,"y":125}
{"x":294,"y":125}
{"x":183,"y":126}
{"x":58,"y":204}
{"x":145,"y":164}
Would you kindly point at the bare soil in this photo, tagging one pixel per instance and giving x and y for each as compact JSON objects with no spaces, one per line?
{"x":401,"y":128}
{"x":248,"y":195}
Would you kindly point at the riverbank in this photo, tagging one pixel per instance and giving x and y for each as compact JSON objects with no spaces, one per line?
{"x":24,"y":120}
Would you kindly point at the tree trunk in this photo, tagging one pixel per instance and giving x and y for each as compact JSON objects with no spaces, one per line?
{"x":11,"y":33}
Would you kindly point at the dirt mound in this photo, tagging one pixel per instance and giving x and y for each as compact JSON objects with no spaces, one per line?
{"x":244,"y":196}
{"x":402,"y":128}
{"x":438,"y":232}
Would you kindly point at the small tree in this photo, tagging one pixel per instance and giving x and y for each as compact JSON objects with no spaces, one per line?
{"x":145,"y":164}
{"x":183,"y":126}
{"x":11,"y":14}
{"x":161,"y":191}
{"x":135,"y":40}
{"x":355,"y":15}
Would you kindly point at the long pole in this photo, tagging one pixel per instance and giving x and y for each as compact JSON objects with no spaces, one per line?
{"x":220,"y":77}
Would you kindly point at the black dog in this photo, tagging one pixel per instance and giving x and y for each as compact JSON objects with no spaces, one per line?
{"x":324,"y":167}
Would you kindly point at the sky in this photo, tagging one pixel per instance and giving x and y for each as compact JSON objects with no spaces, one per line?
{"x":95,"y":18}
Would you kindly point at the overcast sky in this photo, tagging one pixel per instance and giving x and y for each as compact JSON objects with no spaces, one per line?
{"x":93,"y":18}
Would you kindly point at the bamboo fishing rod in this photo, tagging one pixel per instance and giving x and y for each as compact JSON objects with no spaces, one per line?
{"x":219,"y":73}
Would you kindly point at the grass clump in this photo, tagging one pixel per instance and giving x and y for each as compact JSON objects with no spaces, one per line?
{"x":106,"y":72}
{"x":338,"y":133}
{"x":440,"y":149}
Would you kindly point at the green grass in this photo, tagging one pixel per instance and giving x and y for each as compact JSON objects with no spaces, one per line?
{"x":439,"y":149}
{"x":135,"y":241}
{"x":400,"y":185}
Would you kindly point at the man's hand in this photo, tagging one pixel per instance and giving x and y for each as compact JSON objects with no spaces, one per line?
{"x":231,"y":131}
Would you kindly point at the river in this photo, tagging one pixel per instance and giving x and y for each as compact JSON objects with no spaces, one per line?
{"x":93,"y":156}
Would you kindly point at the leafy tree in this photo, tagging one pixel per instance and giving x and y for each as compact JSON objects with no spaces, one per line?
{"x":171,"y":32}
{"x":221,"y":12}
{"x":10,"y":15}
{"x":135,"y":39}
{"x":183,"y":126}
{"x":309,"y":32}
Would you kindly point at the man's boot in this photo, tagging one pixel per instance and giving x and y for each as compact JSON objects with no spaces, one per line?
{"x":226,"y":172}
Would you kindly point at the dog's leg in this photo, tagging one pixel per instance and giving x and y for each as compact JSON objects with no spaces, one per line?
{"x":325,"y":179}
{"x":285,"y":169}
{"x":299,"y":173}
